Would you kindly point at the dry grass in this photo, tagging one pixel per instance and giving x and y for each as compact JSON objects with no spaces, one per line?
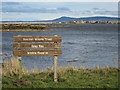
{"x":0,"y":70}
{"x":11,"y":68}
{"x":67,"y":77}
{"x":35,"y":70}
{"x":97,"y":67}
{"x":69,"y":68}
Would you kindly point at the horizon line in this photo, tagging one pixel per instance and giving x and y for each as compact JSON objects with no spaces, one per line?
{"x":64,"y":16}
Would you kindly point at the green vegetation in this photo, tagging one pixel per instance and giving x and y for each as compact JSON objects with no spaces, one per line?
{"x":68,"y":77}
{"x":28,"y":27}
{"x":25,"y":27}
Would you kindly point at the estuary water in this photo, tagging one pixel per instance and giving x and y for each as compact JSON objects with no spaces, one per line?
{"x":90,"y":44}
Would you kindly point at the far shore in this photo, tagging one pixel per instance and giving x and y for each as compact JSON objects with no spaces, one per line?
{"x":23,"y":30}
{"x":23,"y":27}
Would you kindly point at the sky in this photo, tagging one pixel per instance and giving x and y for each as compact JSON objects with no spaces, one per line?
{"x":31,"y":11}
{"x":60,"y":0}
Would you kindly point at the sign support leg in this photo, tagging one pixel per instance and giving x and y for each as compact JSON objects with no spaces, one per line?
{"x":20,"y":69}
{"x":55,"y":68}
{"x":20,"y":63}
{"x":55,"y":65}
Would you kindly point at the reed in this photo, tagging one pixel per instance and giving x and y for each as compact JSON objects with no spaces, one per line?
{"x":11,"y":67}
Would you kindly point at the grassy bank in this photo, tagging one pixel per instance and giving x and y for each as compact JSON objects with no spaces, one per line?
{"x":68,"y":77}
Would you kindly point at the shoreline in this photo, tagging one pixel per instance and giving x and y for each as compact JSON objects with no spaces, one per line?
{"x":23,"y":30}
{"x":53,"y":25}
{"x":67,"y":77}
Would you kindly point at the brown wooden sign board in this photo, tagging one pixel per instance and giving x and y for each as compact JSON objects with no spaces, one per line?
{"x":36,"y":52}
{"x":37,"y":38}
{"x":36,"y":45}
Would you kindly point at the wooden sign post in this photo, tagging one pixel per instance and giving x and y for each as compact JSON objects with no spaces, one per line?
{"x":55,"y":66}
{"x":20,"y":48}
{"x":20,"y":62}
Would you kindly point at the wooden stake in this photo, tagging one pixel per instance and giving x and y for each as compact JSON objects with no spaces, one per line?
{"x":55,"y":66}
{"x":20,"y":69}
{"x":20,"y":63}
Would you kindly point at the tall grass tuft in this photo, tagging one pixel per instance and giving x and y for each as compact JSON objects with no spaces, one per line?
{"x":106,"y":67}
{"x":35,"y":70}
{"x":0,"y":70}
{"x":67,"y":69}
{"x":97,"y":67}
{"x":11,"y":67}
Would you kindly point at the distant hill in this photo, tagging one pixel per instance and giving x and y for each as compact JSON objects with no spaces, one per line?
{"x":66,"y":19}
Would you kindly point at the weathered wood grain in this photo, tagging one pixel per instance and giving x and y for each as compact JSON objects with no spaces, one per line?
{"x":36,"y":45}
{"x":36,"y":52}
{"x":37,"y":38}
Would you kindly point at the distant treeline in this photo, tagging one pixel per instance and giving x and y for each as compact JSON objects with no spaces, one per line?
{"x":12,"y":26}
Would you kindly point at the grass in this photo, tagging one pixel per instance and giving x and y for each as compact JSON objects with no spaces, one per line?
{"x":68,"y":77}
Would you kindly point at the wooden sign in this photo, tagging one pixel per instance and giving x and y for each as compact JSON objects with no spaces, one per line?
{"x":37,"y":52}
{"x":37,"y":39}
{"x":20,"y":45}
{"x":36,"y":45}
{"x":22,"y":48}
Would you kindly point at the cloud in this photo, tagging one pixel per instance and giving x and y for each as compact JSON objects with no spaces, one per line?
{"x":100,"y":11}
{"x":35,"y":10}
{"x":96,"y":8}
{"x":63,"y":9}
{"x":106,"y":12}
{"x":51,"y":8}
{"x":11,"y":3}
